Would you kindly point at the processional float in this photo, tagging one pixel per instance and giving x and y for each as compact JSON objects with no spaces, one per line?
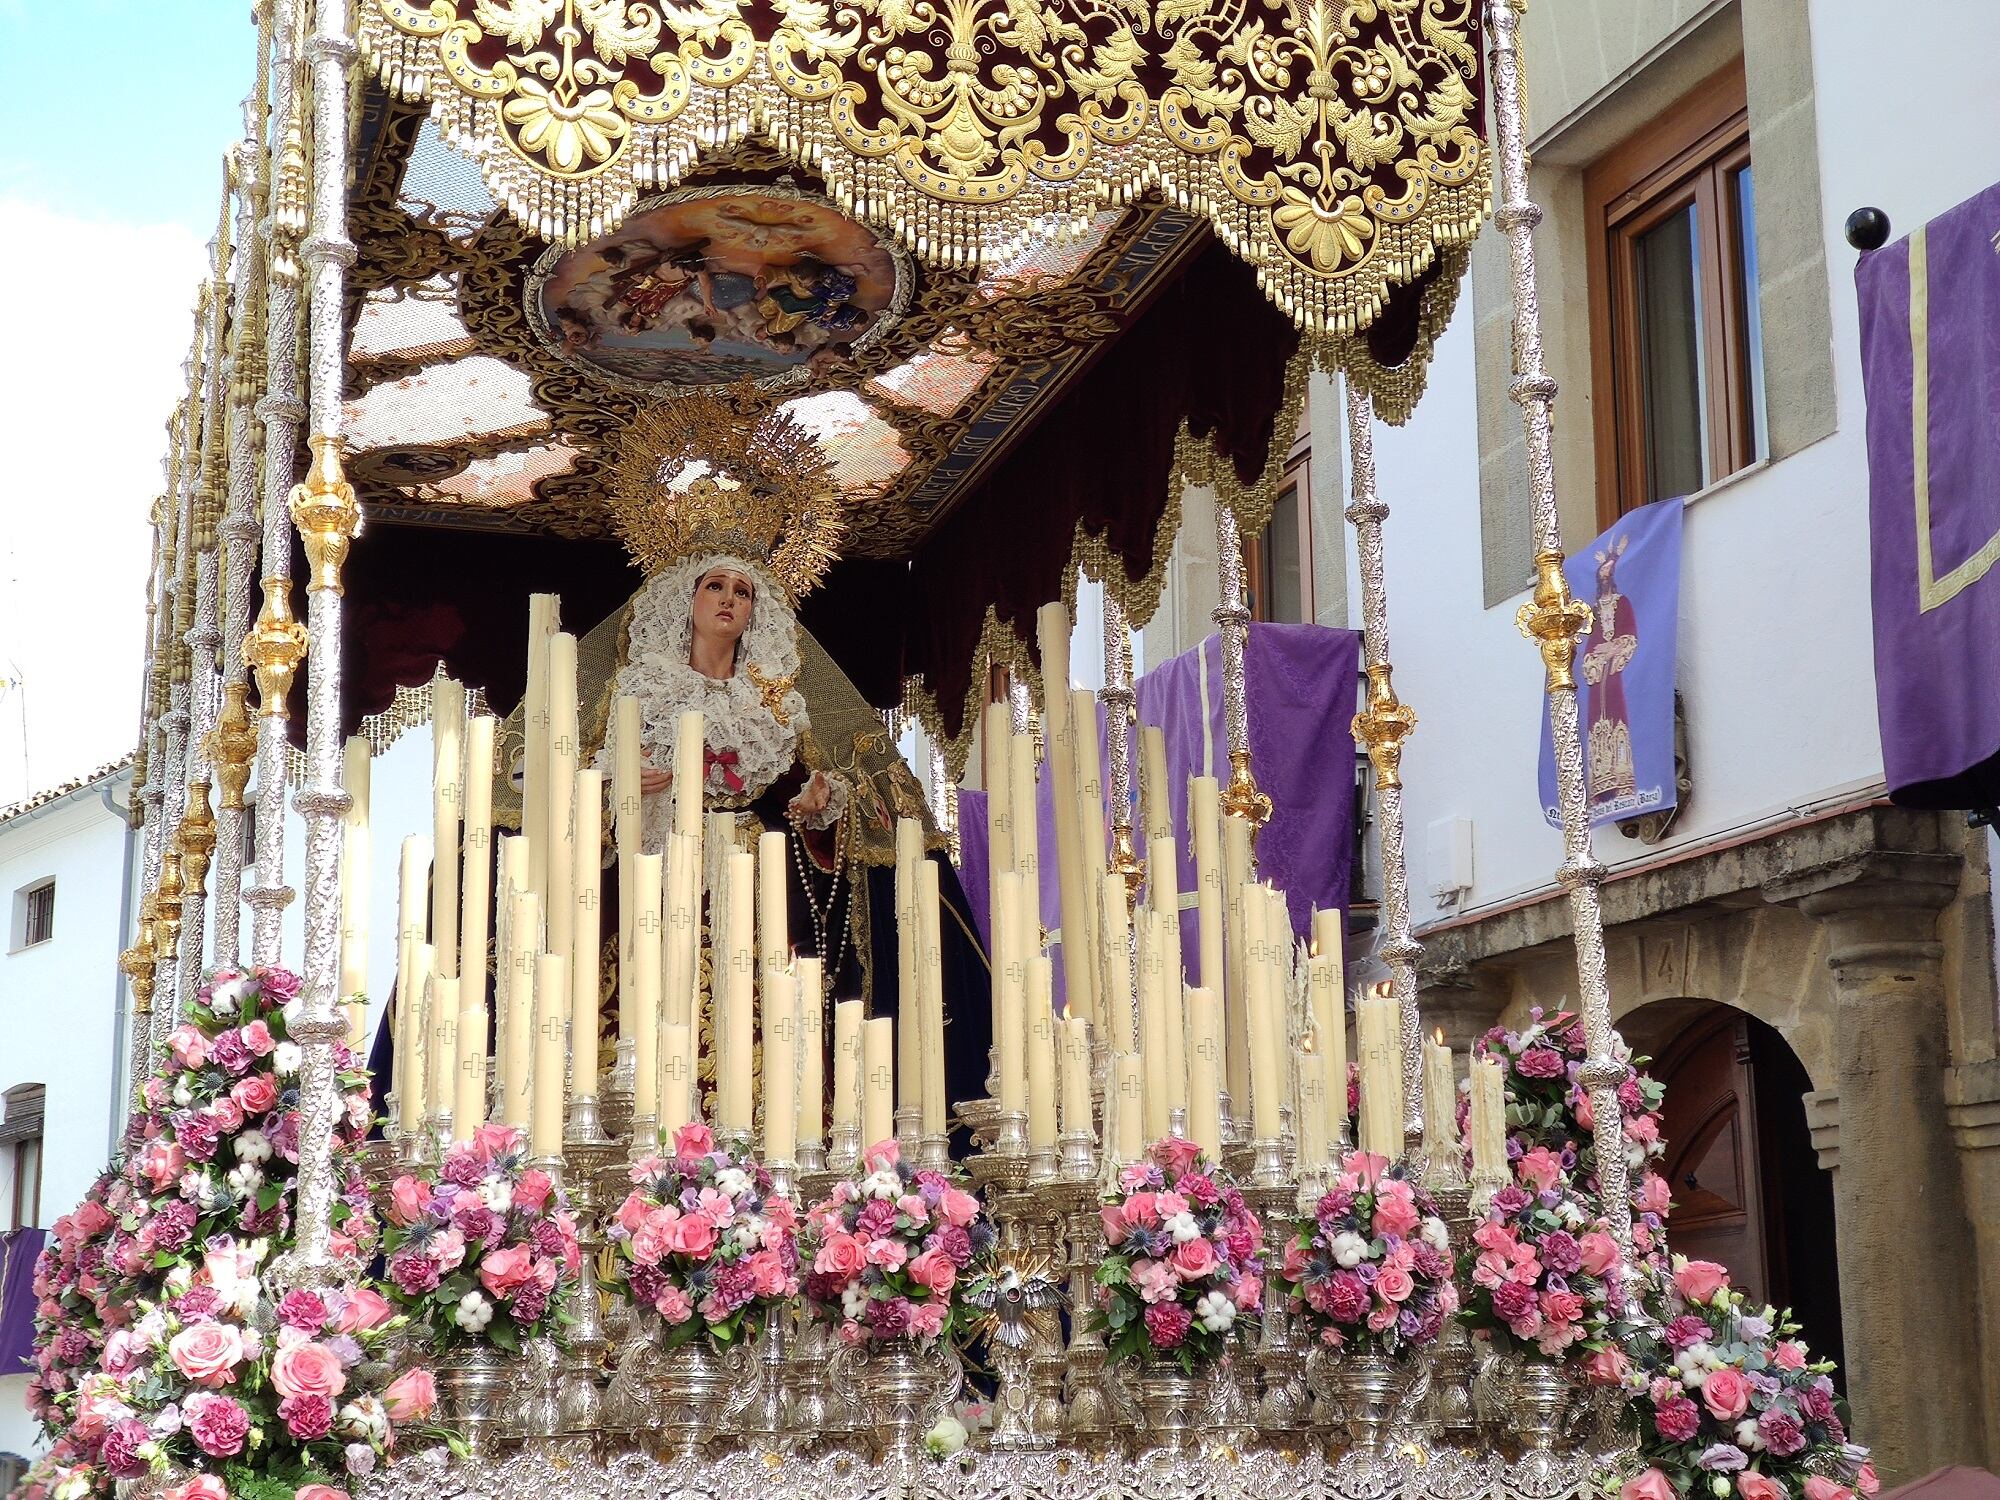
{"x":1023,"y":189}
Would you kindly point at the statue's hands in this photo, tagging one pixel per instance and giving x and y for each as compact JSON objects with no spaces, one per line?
{"x":652,"y":782}
{"x":813,"y":797}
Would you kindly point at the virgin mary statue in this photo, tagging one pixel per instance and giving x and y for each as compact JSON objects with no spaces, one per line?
{"x":733,"y":521}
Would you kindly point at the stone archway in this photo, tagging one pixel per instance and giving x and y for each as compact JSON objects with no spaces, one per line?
{"x":1748,"y":1188}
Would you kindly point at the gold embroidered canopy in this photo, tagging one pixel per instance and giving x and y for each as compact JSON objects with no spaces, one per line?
{"x":1334,"y":145}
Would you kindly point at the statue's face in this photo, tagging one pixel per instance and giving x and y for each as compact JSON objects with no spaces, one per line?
{"x":722,"y":601}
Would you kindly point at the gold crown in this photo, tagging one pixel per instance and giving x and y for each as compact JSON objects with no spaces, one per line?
{"x":702,"y":475}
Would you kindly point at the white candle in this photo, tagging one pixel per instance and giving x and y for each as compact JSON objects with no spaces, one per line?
{"x":847,"y":1019}
{"x":1489,"y":1118}
{"x":1440,"y":1100}
{"x":629,"y":819}
{"x":1027,"y":836}
{"x":1329,"y":1012}
{"x":513,"y":882}
{"x":441,"y":1031}
{"x":689,"y":743}
{"x":1153,"y":786}
{"x":560,"y":892}
{"x":1205,"y":833}
{"x":1080,"y":952}
{"x":468,"y":1105}
{"x":587,"y":933}
{"x":535,"y":733}
{"x":1153,"y":1021}
{"x":734,"y":1064}
{"x":996,"y":768}
{"x":1173,"y":1010}
{"x":676,"y":1086}
{"x":878,"y":1081}
{"x":1310,"y":1111}
{"x":1205,"y":1072}
{"x":680,"y":942}
{"x":412,"y":1072}
{"x":551,"y":1016}
{"x":812,"y":1051}
{"x":1075,"y":1035}
{"x":1119,"y":1008}
{"x":909,"y":997}
{"x":526,"y":933}
{"x":1264,"y":1041}
{"x":1128,"y":1107}
{"x":355,"y":854}
{"x":447,"y":794}
{"x":1164,"y":892}
{"x":478,"y":873}
{"x":781,"y":1064}
{"x":773,"y":915}
{"x":413,"y":873}
{"x":1041,"y":1055}
{"x":930,"y":973}
{"x":1381,"y":1076}
{"x":643,"y":979}
{"x":1008,"y":961}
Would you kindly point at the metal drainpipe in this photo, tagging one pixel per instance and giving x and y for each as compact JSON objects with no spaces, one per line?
{"x":118,"y":1020}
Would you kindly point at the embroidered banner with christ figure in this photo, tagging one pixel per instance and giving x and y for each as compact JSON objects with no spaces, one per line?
{"x":1930,"y":363}
{"x":1631,"y":579}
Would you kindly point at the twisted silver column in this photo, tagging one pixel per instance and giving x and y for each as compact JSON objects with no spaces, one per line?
{"x":1118,"y":698}
{"x":324,"y":509}
{"x":1554,"y":620}
{"x":1380,"y":729}
{"x":166,"y":994}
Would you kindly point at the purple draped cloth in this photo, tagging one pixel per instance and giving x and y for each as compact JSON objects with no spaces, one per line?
{"x":1930,"y":363}
{"x":1299,"y":684}
{"x":19,"y":1249}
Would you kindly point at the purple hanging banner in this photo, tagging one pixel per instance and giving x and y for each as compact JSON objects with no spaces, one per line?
{"x":18,"y":1251}
{"x":1932,"y":376}
{"x":1299,"y":683}
{"x":1631,"y":579}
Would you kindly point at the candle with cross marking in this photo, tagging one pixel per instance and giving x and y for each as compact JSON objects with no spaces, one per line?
{"x":1329,"y":1015}
{"x":680,"y":940}
{"x":1153,"y":785}
{"x":847,"y":1016}
{"x":409,"y":1081}
{"x":995,"y":769}
{"x":560,"y":893}
{"x":542,"y":623}
{"x":447,"y":793}
{"x":545,"y":1127}
{"x":812,"y":1051}
{"x":781,"y":1064}
{"x":587,"y":932}
{"x":1080,"y":948}
{"x":1164,"y":893}
{"x":909,"y":997}
{"x":1266,"y":1039}
{"x":1010,"y":963}
{"x":1116,"y":997}
{"x":676,"y":1078}
{"x":1205,"y":833}
{"x":414,"y":1079}
{"x":930,"y":973}
{"x":1153,"y":1027}
{"x":1074,"y":1032}
{"x":734,"y":1107}
{"x":354,"y":857}
{"x":773,"y":920}
{"x":1027,"y":837}
{"x":643,"y":978}
{"x":1309,"y":1113}
{"x":878,"y":1082}
{"x":1205,"y":1071}
{"x":441,"y":1035}
{"x":690,"y":730}
{"x":527,"y":939}
{"x":477,"y":878}
{"x":1128,"y":1108}
{"x":1041,"y":1054}
{"x":513,"y":882}
{"x":468,"y":1105}
{"x":1236,"y":986}
{"x":1173,"y":1007}
{"x":627,"y":823}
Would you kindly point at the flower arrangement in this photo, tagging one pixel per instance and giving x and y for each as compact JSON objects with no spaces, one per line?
{"x":886,"y":1249}
{"x":1541,"y":1270}
{"x":158,"y":1344}
{"x":703,"y":1240}
{"x":1181,"y":1274}
{"x":1549,"y":1110}
{"x":484,"y":1250}
{"x":1729,"y":1401}
{"x":1371,"y":1269}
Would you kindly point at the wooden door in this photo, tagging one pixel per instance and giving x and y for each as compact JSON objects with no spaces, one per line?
{"x":1713,"y":1167}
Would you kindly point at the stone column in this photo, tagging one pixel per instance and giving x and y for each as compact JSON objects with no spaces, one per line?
{"x":1972,"y":1096}
{"x":1907,"y":1274}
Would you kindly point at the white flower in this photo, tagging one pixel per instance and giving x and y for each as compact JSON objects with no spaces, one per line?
{"x":253,"y":1341}
{"x":1215,"y":1312}
{"x":733,"y":1180}
{"x":1182,"y":1227}
{"x":946,"y":1437}
{"x":1720,"y":1486}
{"x":1570,"y":1212}
{"x":285,"y":1059}
{"x":1747,"y":1435}
{"x":252,"y":1145}
{"x":497,"y":1193}
{"x":226,"y":997}
{"x":365,"y":1419}
{"x":1349,"y":1249}
{"x":473,"y":1312}
{"x":853,"y":1302}
{"x":882,"y":1185}
{"x":1435,"y":1234}
{"x":359,"y":1458}
{"x":183,"y":1095}
{"x":245,"y":1180}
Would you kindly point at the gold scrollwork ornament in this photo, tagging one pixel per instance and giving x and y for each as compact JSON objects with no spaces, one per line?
{"x":326,"y":514}
{"x":1382,"y":726}
{"x":1554,"y":621}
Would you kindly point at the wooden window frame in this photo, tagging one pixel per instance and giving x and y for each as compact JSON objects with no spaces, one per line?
{"x":1690,"y":154}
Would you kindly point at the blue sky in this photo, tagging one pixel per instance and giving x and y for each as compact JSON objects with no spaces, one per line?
{"x":113,"y":122}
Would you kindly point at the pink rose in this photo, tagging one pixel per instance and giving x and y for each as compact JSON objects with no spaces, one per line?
{"x":1394,"y":1283}
{"x":935,"y":1270}
{"x":842,"y":1257}
{"x":227,"y":1113}
{"x":532,"y":1191}
{"x":365,"y":1309}
{"x":768,"y":1277}
{"x":162,"y":1161}
{"x":494,"y":1138}
{"x":308,"y":1370}
{"x":694,"y":1139}
{"x":189,"y":1046}
{"x":882,"y":1156}
{"x":1397,"y":1215}
{"x":888,"y":1254}
{"x":1865,"y":1481}
{"x":1653,"y":1197}
{"x":201,"y":1487}
{"x":319,"y":1492}
{"x":1142,"y":1210}
{"x":207,"y":1353}
{"x":913,"y":1208}
{"x":1651,"y":1485}
{"x":927,"y":1319}
{"x":410,"y":1396}
{"x":1789,"y":1355}
{"x":1247,"y":1293}
{"x":1112,"y":1217}
{"x":255,"y":1094}
{"x":1726,"y":1394}
{"x":672,"y":1305}
{"x":1700,"y":1280}
{"x":1818,"y":1487}
{"x":1561,"y":1307}
{"x":1754,"y":1486}
{"x":1607,"y":1366}
{"x":1540,"y":1169}
{"x":632,"y":1212}
{"x":503,"y":1272}
{"x":408,"y":1199}
{"x":1193,"y":1260}
{"x":257,"y":1037}
{"x":1597,"y":1252}
{"x":691,"y":1235}
{"x":959,"y":1207}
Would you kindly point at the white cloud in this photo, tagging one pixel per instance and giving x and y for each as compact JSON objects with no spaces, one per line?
{"x":99,"y":321}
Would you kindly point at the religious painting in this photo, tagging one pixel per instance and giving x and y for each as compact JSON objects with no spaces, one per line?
{"x":718,"y":285}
